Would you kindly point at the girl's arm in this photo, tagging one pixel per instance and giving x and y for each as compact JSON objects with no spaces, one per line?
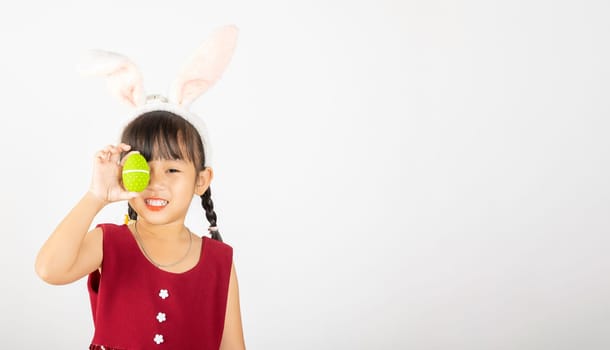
{"x":233,"y":336}
{"x":70,"y":252}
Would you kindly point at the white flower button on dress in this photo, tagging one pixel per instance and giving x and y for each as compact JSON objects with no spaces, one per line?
{"x":158,"y":339}
{"x":164,"y":293}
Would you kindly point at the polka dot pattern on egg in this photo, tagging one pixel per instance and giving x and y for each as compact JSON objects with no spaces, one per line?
{"x":136,"y":173}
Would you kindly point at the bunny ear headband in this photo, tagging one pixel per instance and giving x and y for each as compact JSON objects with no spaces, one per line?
{"x":200,"y":72}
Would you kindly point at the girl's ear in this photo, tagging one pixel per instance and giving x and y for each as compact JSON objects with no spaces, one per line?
{"x":204,"y":67}
{"x":204,"y":178}
{"x":122,"y":75}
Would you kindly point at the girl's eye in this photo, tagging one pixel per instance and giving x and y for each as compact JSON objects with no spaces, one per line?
{"x":173,"y":170}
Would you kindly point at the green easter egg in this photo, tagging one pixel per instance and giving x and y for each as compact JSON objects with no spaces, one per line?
{"x":136,"y":173}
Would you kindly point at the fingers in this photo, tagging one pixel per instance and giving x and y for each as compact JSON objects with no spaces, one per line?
{"x":115,"y":152}
{"x":104,"y":154}
{"x":112,"y":153}
{"x":125,"y":147}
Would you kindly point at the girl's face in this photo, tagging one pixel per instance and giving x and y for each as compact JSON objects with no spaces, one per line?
{"x":173,"y":183}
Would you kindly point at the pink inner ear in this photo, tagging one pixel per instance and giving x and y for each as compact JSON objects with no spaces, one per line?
{"x":122,"y":75}
{"x":205,"y":67}
{"x":126,"y":83}
{"x":192,"y":89}
{"x":128,"y":97}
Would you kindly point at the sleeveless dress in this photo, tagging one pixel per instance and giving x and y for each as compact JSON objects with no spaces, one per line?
{"x":136,"y":305}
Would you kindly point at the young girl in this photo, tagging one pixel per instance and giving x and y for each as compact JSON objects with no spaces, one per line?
{"x":152,"y":282}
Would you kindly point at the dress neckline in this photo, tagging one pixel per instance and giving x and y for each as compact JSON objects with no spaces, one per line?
{"x":155,"y":267}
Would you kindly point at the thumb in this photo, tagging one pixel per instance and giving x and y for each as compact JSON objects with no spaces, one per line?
{"x":124,"y":195}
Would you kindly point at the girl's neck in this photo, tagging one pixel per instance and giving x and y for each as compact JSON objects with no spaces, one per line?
{"x":168,"y":232}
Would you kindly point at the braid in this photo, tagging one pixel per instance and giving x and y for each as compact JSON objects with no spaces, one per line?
{"x":131,"y":212}
{"x":208,"y":205}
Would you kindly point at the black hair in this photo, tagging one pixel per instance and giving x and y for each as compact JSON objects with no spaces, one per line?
{"x":165,"y":135}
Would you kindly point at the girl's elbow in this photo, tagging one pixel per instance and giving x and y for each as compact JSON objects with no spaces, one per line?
{"x":43,"y":273}
{"x":46,"y":274}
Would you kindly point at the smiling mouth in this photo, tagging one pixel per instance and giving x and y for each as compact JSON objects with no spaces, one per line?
{"x":155,"y":204}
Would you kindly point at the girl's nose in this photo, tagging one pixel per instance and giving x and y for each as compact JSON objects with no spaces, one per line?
{"x":156,"y":180}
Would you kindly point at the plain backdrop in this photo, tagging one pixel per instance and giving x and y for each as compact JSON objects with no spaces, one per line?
{"x":424,"y":174}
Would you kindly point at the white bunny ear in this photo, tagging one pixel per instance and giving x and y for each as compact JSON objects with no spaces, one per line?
{"x":122,"y":75}
{"x":204,"y":67}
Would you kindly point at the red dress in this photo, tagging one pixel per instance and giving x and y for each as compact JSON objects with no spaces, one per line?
{"x":136,"y":305}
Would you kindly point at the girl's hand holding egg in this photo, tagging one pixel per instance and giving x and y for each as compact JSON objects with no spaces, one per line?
{"x":105,"y":184}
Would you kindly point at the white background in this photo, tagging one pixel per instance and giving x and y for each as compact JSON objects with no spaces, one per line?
{"x":391,"y":174}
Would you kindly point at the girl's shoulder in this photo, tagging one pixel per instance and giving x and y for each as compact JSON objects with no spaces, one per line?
{"x":217,"y":243}
{"x":217,"y":255}
{"x":114,"y":234}
{"x":212,"y":246}
{"x":110,"y":227}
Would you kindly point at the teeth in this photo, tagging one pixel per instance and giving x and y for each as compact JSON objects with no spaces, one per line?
{"x":156,"y":202}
